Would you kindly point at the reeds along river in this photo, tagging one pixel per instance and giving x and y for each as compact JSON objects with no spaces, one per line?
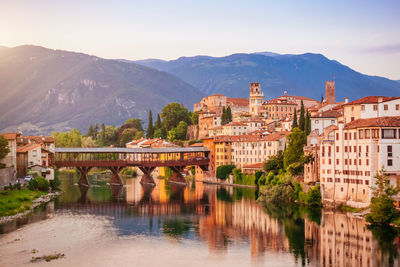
{"x":197,"y":225}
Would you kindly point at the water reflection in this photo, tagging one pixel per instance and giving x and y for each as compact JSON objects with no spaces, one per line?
{"x":225,"y":220}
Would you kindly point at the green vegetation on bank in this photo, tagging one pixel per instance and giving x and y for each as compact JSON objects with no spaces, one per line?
{"x":383,"y":210}
{"x":17,"y":201}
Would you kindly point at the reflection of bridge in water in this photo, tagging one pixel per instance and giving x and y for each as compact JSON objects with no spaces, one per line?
{"x":146,"y":159}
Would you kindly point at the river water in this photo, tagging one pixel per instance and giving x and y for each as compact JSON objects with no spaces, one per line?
{"x":199,"y":225}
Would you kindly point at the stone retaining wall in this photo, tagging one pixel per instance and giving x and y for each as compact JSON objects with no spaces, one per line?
{"x":7,"y":176}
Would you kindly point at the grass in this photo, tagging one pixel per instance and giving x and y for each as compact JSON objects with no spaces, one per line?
{"x":17,"y":201}
{"x":48,"y":258}
{"x":345,"y":208}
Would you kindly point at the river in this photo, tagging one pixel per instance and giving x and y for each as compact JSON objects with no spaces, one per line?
{"x":198,"y":225}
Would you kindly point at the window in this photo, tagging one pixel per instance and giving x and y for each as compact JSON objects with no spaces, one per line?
{"x":367,"y":133}
{"x":385,"y":107}
{"x":397,"y":107}
{"x":316,"y":121}
{"x":337,"y":161}
{"x":337,"y":149}
{"x":360,"y":134}
{"x":375,"y":107}
{"x":355,"y":135}
{"x":375,"y":133}
{"x":367,"y":163}
{"x":332,"y":121}
{"x":388,"y":133}
{"x":34,"y":153}
{"x":352,"y":118}
{"x":345,"y":136}
{"x":362,"y":107}
{"x":389,"y":151}
{"x":390,"y":162}
{"x":359,"y":162}
{"x":337,"y":136}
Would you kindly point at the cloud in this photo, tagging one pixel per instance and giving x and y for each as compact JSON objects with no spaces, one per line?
{"x":383,"y":49}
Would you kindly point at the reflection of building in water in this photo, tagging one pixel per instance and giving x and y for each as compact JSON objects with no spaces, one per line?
{"x":345,"y":241}
{"x":312,"y":235}
{"x":242,"y":219}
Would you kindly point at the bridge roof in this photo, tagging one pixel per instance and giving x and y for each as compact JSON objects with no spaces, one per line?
{"x":130,"y":150}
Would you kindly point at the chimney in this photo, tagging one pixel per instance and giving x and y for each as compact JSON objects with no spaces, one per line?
{"x":346,"y":100}
{"x":380,"y":99}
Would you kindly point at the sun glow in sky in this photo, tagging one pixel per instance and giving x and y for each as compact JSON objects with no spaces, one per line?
{"x":363,"y":34}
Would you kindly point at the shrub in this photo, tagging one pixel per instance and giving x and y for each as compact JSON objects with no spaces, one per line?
{"x":193,"y":170}
{"x":262,"y":180}
{"x":257,"y":176}
{"x":313,"y":196}
{"x":129,"y":171}
{"x":39,"y":183}
{"x":224,"y":171}
{"x":42,"y":184}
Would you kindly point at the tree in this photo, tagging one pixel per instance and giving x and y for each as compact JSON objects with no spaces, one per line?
{"x":136,"y":123}
{"x":383,"y":211}
{"x":172,"y":114}
{"x":157,"y":133}
{"x":4,"y":149}
{"x":195,"y":118}
{"x":127,"y":135}
{"x":294,"y":119}
{"x":275,"y":163}
{"x":163,"y":132}
{"x":95,"y":131}
{"x":294,"y":151}
{"x":108,"y":136}
{"x":302,"y":120}
{"x":87,"y":141}
{"x":72,"y":138}
{"x":171,"y":135}
{"x":307,"y":129}
{"x":150,"y":129}
{"x":229,"y":114}
{"x":224,"y":171}
{"x":181,"y":130}
{"x":90,"y":130}
{"x":158,"y":123}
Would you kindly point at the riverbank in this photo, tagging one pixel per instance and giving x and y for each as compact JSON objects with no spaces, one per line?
{"x":27,"y":204}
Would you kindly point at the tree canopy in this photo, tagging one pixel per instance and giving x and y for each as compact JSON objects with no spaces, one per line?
{"x":174,"y":113}
{"x":294,"y":151}
{"x":4,"y":149}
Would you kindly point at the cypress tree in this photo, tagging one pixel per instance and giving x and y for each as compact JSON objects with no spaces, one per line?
{"x":223,"y":117}
{"x":302,"y":118}
{"x":308,"y":123}
{"x":294,"y":119}
{"x":95,"y":130}
{"x":228,"y":115}
{"x":150,"y":129}
{"x":90,"y":131}
{"x":322,"y":98}
{"x":158,"y":122}
{"x":163,"y":132}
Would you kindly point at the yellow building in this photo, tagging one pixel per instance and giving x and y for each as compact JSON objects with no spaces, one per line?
{"x":223,"y":150}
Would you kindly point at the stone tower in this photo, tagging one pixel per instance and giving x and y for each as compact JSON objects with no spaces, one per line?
{"x":330,"y":92}
{"x":256,"y":99}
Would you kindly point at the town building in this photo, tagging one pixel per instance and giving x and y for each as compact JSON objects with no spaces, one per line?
{"x":352,"y":154}
{"x":217,"y":102}
{"x":27,"y":156}
{"x":256,"y":99}
{"x":207,"y":122}
{"x":279,"y":108}
{"x":324,"y":119}
{"x":10,"y":159}
{"x":307,"y":102}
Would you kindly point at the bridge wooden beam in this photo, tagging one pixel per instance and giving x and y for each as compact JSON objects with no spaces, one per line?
{"x":83,"y":180}
{"x":177,"y":177}
{"x":115,"y":178}
{"x":147,"y":178}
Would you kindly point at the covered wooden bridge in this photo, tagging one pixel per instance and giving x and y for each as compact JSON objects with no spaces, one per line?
{"x":146,"y":159}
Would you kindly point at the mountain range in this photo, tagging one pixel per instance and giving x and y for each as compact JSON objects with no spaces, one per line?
{"x":303,"y":74}
{"x":44,"y":90}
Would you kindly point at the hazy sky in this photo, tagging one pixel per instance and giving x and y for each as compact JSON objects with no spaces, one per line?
{"x":362,"y":34}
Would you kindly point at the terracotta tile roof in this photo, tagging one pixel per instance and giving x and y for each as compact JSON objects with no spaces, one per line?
{"x":37,"y":139}
{"x":328,"y":114}
{"x":135,"y":142}
{"x":27,"y":147}
{"x":298,"y":97}
{"x":197,"y":144}
{"x":238,"y":101}
{"x":251,"y":138}
{"x":216,"y":95}
{"x":374,"y":122}
{"x":371,"y":100}
{"x":10,"y":136}
{"x":235,"y":124}
{"x":280,"y":101}
{"x":254,"y":166}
